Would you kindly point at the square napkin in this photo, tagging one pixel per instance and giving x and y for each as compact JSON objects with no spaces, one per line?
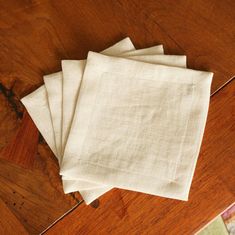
{"x":53,"y":85}
{"x":36,"y":104}
{"x":139,"y":127}
{"x":73,"y":71}
{"x":90,"y":191}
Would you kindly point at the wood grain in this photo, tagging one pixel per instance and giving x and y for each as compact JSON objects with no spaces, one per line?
{"x":9,"y":223}
{"x":35,"y":196}
{"x":18,"y":150}
{"x":213,"y":189}
{"x":204,"y":30}
{"x":36,"y":35}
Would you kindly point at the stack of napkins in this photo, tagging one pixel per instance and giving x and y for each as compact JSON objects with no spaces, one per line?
{"x":126,"y":118}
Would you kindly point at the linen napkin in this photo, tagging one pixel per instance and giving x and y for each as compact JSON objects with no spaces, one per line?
{"x":91,"y":191}
{"x":139,"y":127}
{"x":73,"y":70}
{"x":70,"y":186}
{"x":36,"y":103}
{"x":50,"y":82}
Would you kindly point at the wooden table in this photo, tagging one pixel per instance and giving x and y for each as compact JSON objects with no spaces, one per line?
{"x":35,"y":36}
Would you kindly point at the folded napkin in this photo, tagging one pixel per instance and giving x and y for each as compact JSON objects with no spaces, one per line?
{"x":91,"y":191}
{"x":73,"y":70}
{"x":139,"y":127}
{"x":36,"y":103}
{"x":52,"y":82}
{"x":137,"y":100}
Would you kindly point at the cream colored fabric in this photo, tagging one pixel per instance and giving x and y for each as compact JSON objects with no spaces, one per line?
{"x":73,"y":71}
{"x":137,"y":126}
{"x":53,"y":84}
{"x":51,"y":81}
{"x":92,"y":188}
{"x":154,"y":50}
{"x":37,"y":107}
{"x":38,"y":102}
{"x":87,"y":187}
{"x":54,"y":88}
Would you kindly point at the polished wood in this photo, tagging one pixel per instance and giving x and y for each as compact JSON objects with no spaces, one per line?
{"x":18,"y":150}
{"x":213,"y":189}
{"x":9,"y":224}
{"x":36,"y":35}
{"x":204,"y":31}
{"x":35,"y":196}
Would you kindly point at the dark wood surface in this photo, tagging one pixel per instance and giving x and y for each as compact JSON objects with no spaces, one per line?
{"x":36,"y":35}
{"x":11,"y":224}
{"x":30,"y":185}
